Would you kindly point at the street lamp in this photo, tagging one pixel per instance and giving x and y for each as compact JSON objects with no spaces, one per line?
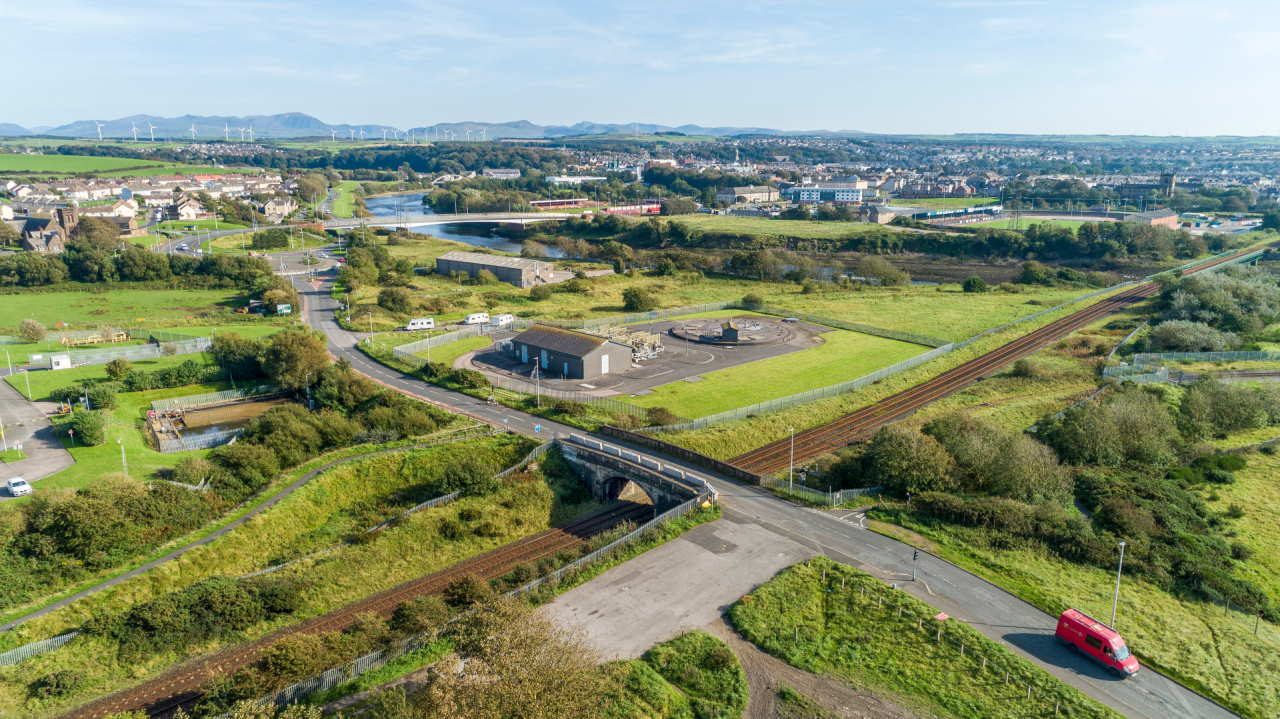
{"x":1116,"y":598}
{"x":791,"y":464}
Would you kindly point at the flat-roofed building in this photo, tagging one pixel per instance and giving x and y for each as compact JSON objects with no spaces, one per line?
{"x":1155,"y":218}
{"x":518,"y":271}
{"x":570,"y":354}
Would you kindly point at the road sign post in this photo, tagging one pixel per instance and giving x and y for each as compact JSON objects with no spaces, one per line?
{"x":915,"y":560}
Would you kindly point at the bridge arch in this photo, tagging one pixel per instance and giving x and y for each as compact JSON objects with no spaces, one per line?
{"x":614,"y":472}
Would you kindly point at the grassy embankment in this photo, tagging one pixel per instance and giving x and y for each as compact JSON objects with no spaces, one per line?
{"x":831,"y":619}
{"x":321,"y":513}
{"x":344,"y":204}
{"x":1008,"y":222}
{"x":203,"y":225}
{"x":694,"y":676}
{"x":242,"y":243}
{"x":944,"y":203}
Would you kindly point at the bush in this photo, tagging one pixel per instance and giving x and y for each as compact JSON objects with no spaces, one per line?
{"x":1028,"y":368}
{"x":974,"y":284}
{"x":395,"y":299}
{"x":660,"y":416}
{"x":1186,"y":336}
{"x":118,"y":368}
{"x":90,"y":427}
{"x":540,"y":293}
{"x":635,"y":299}
{"x":468,"y":379}
{"x":419,"y":616}
{"x":56,"y":684}
{"x":1240,"y":551}
{"x":31,"y":330}
{"x":907,"y":462}
{"x":467,"y":592}
{"x":752,"y":301}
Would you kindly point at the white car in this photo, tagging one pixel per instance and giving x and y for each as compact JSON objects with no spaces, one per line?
{"x":17,"y":486}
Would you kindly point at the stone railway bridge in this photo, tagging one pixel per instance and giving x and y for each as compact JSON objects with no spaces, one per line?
{"x":614,"y":472}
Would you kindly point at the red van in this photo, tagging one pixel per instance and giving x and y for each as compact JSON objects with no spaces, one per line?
{"x":1095,"y":639}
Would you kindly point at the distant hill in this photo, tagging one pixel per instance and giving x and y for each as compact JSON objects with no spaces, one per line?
{"x":297,"y":124}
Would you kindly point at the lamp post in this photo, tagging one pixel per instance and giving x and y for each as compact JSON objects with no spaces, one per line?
{"x":124,"y":463}
{"x":1115,"y":600}
{"x":791,"y":464}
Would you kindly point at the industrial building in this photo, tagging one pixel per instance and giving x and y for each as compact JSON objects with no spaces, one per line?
{"x":1155,"y":218}
{"x":570,"y":354}
{"x":521,"y":272}
{"x":753,"y":193}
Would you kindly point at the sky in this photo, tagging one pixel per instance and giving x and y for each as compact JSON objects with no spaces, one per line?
{"x":905,"y":66}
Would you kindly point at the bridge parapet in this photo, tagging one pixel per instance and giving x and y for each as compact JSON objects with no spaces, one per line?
{"x":603,"y":465}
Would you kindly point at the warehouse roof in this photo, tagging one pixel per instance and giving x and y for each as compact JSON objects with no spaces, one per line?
{"x":481,"y":258}
{"x":1151,"y":215}
{"x":556,"y":339}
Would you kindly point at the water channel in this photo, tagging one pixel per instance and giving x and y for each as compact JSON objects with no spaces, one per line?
{"x":480,"y":234}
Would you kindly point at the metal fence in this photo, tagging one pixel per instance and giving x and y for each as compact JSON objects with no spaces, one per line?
{"x":805,"y":397}
{"x":203,"y":441}
{"x":1041,"y":313}
{"x":1127,"y":339}
{"x":35,"y":649}
{"x":1154,"y":358}
{"x":80,"y":358}
{"x":195,"y":400}
{"x":636,"y":317}
{"x":818,"y":496}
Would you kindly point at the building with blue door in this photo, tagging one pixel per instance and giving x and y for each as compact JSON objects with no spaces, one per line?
{"x":570,"y":354}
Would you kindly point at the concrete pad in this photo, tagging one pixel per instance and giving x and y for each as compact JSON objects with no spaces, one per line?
{"x":681,"y":586}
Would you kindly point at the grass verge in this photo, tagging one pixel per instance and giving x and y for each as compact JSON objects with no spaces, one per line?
{"x":831,"y":619}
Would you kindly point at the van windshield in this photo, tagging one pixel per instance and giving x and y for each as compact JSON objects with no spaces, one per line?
{"x":1121,"y":652}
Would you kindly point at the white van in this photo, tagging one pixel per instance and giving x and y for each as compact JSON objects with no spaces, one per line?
{"x":421,"y":323}
{"x":476,"y":318}
{"x":17,"y":486}
{"x":502,"y":320}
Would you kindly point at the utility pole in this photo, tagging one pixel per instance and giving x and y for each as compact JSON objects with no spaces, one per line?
{"x":124,"y":463}
{"x":1115,"y":600}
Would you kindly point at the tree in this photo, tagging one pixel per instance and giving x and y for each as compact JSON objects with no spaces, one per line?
{"x":467,"y":592}
{"x":118,"y":368}
{"x":906,"y":461}
{"x":975,"y":284}
{"x":540,"y":293}
{"x":1187,"y":336}
{"x":237,"y":355}
{"x":294,"y":357}
{"x":31,"y":330}
{"x":90,"y":427}
{"x":424,"y":615}
{"x":752,"y":301}
{"x":8,"y":235}
{"x":96,"y":233}
{"x":1271,"y":220}
{"x":519,"y":663}
{"x":635,"y":299}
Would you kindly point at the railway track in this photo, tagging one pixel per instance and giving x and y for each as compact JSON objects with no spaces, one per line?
{"x":861,"y":424}
{"x":183,"y":685}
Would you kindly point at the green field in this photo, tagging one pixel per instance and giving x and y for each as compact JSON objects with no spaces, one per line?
{"x":1025,"y":222}
{"x":1258,"y":491}
{"x":693,"y":675}
{"x":148,"y":241}
{"x":945,"y":203}
{"x":190,"y":225}
{"x":833,"y":620}
{"x":808,"y":229}
{"x":126,"y":308}
{"x":344,"y":205}
{"x":68,"y":163}
{"x":243,"y":243}
{"x":447,"y":354}
{"x":842,"y":356}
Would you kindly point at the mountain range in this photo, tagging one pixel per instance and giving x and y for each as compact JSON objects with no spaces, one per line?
{"x":297,"y":124}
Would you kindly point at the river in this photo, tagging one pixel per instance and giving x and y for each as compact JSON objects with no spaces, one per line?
{"x":479,"y":234}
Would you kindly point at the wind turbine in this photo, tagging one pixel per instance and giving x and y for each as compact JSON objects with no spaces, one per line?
{"x":99,"y":124}
{"x":152,"y":129}
{"x":226,"y":132}
{"x":484,"y":134}
{"x":241,"y":129}
{"x":251,"y":133}
{"x":353,"y":133}
{"x":362,"y":133}
{"x":135,"y":131}
{"x":193,"y":132}
{"x":384,"y":135}
{"x":467,"y":134}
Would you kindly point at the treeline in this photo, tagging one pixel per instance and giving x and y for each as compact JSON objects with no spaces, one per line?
{"x":1102,"y":243}
{"x":701,"y":186}
{"x":96,"y":254}
{"x":1132,"y":461}
{"x":1213,"y":312}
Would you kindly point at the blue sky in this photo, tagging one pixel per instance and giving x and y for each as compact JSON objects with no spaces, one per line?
{"x":1070,"y":66}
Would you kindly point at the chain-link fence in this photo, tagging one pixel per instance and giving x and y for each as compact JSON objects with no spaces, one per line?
{"x":817,"y":496}
{"x":80,"y":358}
{"x":805,"y":397}
{"x":196,"y":400}
{"x":1155,"y":358}
{"x":35,"y":649}
{"x":911,"y":337}
{"x":208,"y":440}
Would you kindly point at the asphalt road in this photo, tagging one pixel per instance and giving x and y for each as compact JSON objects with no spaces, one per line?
{"x":1020,"y":626}
{"x":25,"y":423}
